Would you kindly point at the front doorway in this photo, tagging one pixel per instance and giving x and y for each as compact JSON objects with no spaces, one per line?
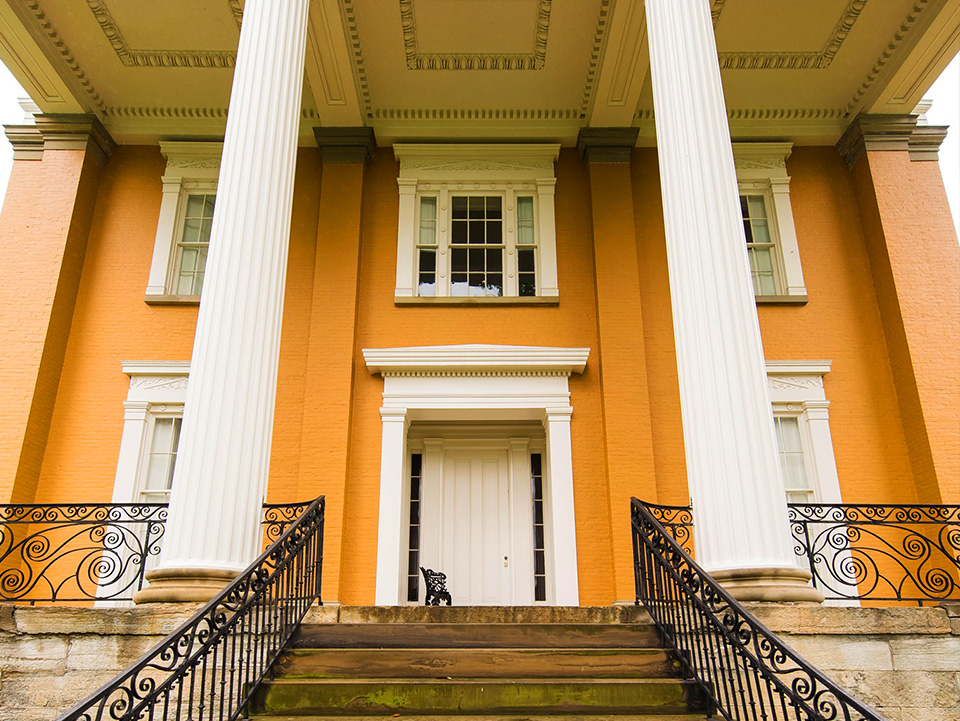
{"x":476,"y":514}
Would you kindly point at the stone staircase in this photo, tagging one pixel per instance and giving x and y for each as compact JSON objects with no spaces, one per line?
{"x":478,"y":663}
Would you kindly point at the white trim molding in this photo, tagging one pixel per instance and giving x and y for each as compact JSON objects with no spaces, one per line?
{"x":155,"y":387}
{"x":192,"y":168}
{"x":495,"y":168}
{"x":476,"y":384}
{"x":796,"y":389}
{"x":762,"y":170}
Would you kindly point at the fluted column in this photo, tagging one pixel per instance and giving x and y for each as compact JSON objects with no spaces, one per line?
{"x":220,"y":480}
{"x":741,"y":529}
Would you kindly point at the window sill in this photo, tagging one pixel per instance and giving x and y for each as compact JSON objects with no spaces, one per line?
{"x":171,"y":299}
{"x":538,"y":301}
{"x":782,"y":299}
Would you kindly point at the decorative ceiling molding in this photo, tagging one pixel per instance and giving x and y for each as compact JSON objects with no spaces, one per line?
{"x":888,"y":52}
{"x":819,"y":60}
{"x":593,"y":67}
{"x":153,"y":113}
{"x":353,"y":34}
{"x":476,"y":114}
{"x":156,"y":58}
{"x":716,"y":10}
{"x":769,"y":114}
{"x":474,"y":61}
{"x":63,"y":51}
{"x":236,"y":11}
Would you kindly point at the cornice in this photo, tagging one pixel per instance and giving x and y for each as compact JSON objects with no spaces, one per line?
{"x":533,"y":157}
{"x":890,"y":133}
{"x":477,"y":359}
{"x":75,"y":132}
{"x":889,"y":51}
{"x":155,"y":368}
{"x":26,"y":140}
{"x":593,"y":67}
{"x":353,"y":38}
{"x":761,"y":156}
{"x":345,"y":145}
{"x":192,"y":155}
{"x":474,"y":61}
{"x":796,"y":368}
{"x":607,"y":145}
{"x":60,"y":49}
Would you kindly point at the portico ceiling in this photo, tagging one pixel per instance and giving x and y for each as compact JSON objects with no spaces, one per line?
{"x":475,"y":69}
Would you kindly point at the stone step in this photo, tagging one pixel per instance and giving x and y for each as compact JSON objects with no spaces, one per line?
{"x":503,"y":717}
{"x":370,"y":697}
{"x":477,"y":663}
{"x":479,"y":635}
{"x":478,"y":614}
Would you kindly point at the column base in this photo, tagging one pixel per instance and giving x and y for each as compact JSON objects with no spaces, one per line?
{"x":182,"y":585}
{"x":769,"y":584}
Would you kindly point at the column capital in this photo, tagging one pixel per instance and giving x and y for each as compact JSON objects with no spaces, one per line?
{"x":345,"y":145}
{"x":57,"y":131}
{"x":870,"y":132}
{"x":606,"y":145}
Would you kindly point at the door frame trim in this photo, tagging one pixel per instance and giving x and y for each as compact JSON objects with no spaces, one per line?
{"x":475,"y":384}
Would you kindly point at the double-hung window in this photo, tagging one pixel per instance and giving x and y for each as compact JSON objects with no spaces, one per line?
{"x":772,"y":247}
{"x":477,"y":245}
{"x":476,"y":223}
{"x":186,"y":218}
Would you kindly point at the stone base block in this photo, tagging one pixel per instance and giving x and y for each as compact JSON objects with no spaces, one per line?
{"x":769,"y":584}
{"x":182,"y":585}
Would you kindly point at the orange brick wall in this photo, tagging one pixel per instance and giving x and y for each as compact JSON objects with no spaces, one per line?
{"x":328,"y":422}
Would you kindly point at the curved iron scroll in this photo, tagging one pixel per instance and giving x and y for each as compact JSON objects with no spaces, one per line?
{"x":66,"y":552}
{"x":211,"y":665}
{"x":742,"y":666}
{"x":880,"y":552}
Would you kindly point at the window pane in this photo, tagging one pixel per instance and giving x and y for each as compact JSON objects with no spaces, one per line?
{"x":188,"y":261}
{"x":757,"y":208}
{"x":458,"y":260}
{"x":459,"y":207}
{"x":476,"y":205}
{"x":459,"y":233}
{"x":476,"y":231}
{"x":525,"y":261}
{"x":428,"y":208}
{"x":191,"y":230}
{"x":185,"y":284}
{"x":206,"y":225}
{"x":761,"y":231}
{"x":195,"y":206}
{"x":493,"y":207}
{"x":208,"y":203}
{"x":494,"y":235}
{"x":525,"y":208}
{"x":744,"y":210}
{"x":475,"y":258}
{"x":494,"y":259}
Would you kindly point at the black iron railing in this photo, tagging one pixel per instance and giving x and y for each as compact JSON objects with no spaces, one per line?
{"x":210,"y":667}
{"x":745,"y":670}
{"x":71,"y":553}
{"x":879,"y":552}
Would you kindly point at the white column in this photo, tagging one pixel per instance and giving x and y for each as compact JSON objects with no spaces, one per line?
{"x":390,"y":533}
{"x":559,"y":504}
{"x":220,"y":480}
{"x":733,"y":468}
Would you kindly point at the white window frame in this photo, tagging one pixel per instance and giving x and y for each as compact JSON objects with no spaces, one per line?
{"x":492,"y":169}
{"x":158,"y":389}
{"x":192,"y":169}
{"x":762,"y":170}
{"x":796,"y":391}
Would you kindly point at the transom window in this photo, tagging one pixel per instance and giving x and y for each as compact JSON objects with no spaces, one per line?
{"x":761,"y":248}
{"x":477,"y":245}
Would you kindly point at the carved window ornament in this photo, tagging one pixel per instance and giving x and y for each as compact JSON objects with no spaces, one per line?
{"x":476,"y":223}
{"x":771,"y":234}
{"x":183,"y":228}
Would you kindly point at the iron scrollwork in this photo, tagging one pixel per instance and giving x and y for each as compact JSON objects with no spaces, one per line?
{"x":745,"y":670}
{"x":437,"y":592}
{"x":880,"y":552}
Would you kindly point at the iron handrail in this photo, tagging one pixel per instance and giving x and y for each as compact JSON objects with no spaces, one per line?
{"x":745,"y":670}
{"x":79,"y":552}
{"x":211,"y":665}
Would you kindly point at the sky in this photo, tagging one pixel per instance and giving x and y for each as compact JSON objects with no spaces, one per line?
{"x":945,"y":94}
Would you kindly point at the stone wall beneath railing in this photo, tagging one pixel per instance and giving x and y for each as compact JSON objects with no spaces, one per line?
{"x":52,"y":657}
{"x":905,"y":662}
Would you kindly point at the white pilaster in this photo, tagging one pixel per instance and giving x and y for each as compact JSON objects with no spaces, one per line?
{"x":732,"y":464}
{"x":390,"y":540}
{"x":559,"y":503}
{"x":221,"y":475}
